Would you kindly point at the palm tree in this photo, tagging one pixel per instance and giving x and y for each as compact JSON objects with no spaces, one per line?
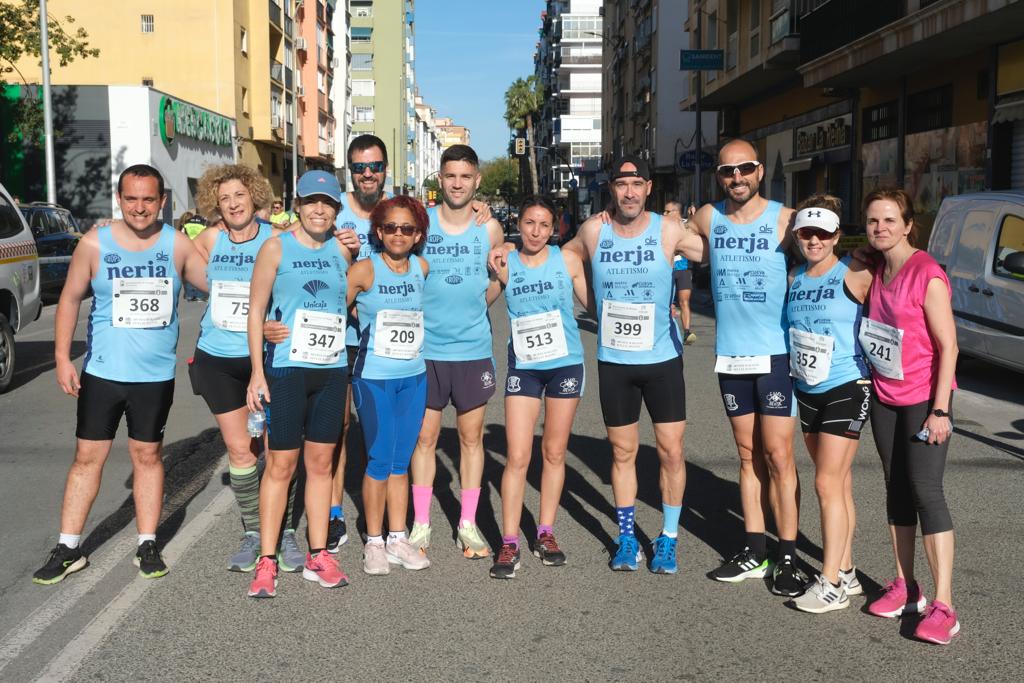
{"x":523,"y":99}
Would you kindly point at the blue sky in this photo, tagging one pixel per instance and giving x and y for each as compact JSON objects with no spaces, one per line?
{"x":467,"y":54}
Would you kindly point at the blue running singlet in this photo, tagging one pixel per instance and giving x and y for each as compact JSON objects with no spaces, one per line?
{"x":222,"y":331}
{"x":824,"y":320}
{"x":543,"y":333}
{"x":309,"y":297}
{"x":634,"y":291}
{"x":133,"y":322}
{"x":748,"y":279}
{"x":348,"y":220}
{"x":391,"y":323}
{"x":454,"y":297}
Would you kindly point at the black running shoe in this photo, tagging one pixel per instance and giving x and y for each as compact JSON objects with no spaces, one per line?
{"x":743,"y":565}
{"x":787,"y":580}
{"x":337,"y":535}
{"x":507,"y":562}
{"x":147,"y":559}
{"x":546,"y":548}
{"x":62,"y":561}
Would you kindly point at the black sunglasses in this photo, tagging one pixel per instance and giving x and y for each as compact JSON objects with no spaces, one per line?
{"x":807,"y":233}
{"x":359,"y":167}
{"x":406,"y":229}
{"x":745,"y":168}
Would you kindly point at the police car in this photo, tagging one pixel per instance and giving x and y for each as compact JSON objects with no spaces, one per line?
{"x":20,"y":303}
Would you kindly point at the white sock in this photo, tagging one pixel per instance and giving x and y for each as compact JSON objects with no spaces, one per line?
{"x":70,"y":540}
{"x":670,"y":534}
{"x":146,"y":537}
{"x":396,"y":536}
{"x":371,"y":540}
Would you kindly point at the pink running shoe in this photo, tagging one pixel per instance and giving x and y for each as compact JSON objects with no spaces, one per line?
{"x":939,"y":624}
{"x":323,"y":568}
{"x":898,"y":599}
{"x":264,"y":583}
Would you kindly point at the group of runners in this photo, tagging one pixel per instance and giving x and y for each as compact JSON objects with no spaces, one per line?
{"x":374,"y":302}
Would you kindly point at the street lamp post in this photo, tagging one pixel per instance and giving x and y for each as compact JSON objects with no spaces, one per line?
{"x":44,"y":51}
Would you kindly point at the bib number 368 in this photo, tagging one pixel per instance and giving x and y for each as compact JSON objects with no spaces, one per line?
{"x":143,"y":302}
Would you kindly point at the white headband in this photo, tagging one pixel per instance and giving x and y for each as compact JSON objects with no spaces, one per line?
{"x":816,"y":218}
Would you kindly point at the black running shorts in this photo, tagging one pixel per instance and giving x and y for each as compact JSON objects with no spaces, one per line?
{"x":222,"y":382}
{"x":467,"y":384}
{"x":102,"y":402}
{"x":842,"y":410}
{"x":305,"y":404}
{"x":660,"y":386}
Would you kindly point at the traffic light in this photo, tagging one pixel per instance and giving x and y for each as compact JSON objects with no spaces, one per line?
{"x":520,"y":146}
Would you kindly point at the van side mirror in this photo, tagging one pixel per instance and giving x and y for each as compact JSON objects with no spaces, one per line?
{"x":1014,"y":263}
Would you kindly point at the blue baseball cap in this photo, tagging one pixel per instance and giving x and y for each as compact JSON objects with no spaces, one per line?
{"x":318,"y":182}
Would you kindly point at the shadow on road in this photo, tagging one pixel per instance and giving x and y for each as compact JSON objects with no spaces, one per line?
{"x":36,"y":357}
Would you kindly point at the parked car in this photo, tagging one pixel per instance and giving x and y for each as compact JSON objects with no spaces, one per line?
{"x":978,"y":239}
{"x":20,"y":303}
{"x":57,"y":234}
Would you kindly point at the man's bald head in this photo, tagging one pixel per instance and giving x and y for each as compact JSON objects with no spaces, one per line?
{"x":737,"y":176}
{"x":737,"y":150}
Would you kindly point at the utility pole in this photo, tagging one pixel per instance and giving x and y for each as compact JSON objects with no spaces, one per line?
{"x":700,"y":139}
{"x":44,"y":51}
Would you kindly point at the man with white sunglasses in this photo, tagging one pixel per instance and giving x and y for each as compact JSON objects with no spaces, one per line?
{"x":748,"y":237}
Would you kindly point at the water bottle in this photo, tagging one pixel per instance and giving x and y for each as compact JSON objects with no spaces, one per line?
{"x":923,"y":435}
{"x":257,"y":421}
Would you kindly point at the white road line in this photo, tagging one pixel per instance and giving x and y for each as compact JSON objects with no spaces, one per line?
{"x":66,"y":663}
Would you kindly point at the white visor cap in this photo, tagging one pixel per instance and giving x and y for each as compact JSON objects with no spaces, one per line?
{"x":816,"y":218}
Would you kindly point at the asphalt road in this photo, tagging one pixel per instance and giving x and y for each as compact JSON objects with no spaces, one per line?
{"x":578,"y":622}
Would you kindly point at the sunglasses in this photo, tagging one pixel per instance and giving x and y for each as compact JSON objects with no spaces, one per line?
{"x":406,"y":229}
{"x":359,"y":167}
{"x":807,"y":233}
{"x":745,"y":168}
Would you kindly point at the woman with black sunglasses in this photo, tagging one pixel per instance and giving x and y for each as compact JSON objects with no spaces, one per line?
{"x":833,"y":387}
{"x":389,"y":378}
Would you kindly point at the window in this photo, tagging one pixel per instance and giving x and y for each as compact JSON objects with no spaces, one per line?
{"x":1011,"y":241}
{"x":147,"y":81}
{"x":245,"y":100}
{"x":361,"y":34}
{"x":362,"y":8}
{"x":880,"y":122}
{"x":362,"y":62}
{"x":147,"y":23}
{"x":363,"y":114}
{"x":755,"y":27}
{"x":930,"y":109}
{"x":363,"y":88}
{"x":321,"y":81}
{"x":10,"y":221}
{"x":243,"y":39}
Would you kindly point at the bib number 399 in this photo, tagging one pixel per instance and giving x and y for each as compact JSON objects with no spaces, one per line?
{"x":317,"y":337}
{"x":143,"y":302}
{"x":626,"y":326}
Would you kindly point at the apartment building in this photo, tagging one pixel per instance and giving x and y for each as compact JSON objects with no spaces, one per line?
{"x":428,"y":146}
{"x":340,"y":93}
{"x":451,"y":133}
{"x":317,"y":59}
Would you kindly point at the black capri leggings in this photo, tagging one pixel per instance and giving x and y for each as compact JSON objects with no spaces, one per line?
{"x":913,"y":469}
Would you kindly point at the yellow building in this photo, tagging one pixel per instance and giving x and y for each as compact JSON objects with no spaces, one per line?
{"x":229,"y":56}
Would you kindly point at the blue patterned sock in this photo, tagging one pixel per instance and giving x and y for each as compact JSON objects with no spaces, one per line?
{"x":671,"y":526}
{"x":626,"y":516}
{"x":336,"y":512}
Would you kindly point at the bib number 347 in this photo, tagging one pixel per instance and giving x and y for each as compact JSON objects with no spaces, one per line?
{"x":317,"y":337}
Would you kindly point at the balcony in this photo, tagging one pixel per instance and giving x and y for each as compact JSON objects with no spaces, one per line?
{"x":784,"y":43}
{"x":840,"y":22}
{"x":275,"y":12}
{"x":325,"y":147}
{"x":276,"y":71}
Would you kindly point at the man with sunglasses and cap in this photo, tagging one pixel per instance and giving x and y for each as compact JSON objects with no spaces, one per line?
{"x":748,"y":237}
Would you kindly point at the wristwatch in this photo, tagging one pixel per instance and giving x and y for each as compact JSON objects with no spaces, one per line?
{"x":938,"y":412}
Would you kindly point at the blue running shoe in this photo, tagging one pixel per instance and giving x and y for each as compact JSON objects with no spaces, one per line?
{"x":628,"y":556}
{"x":664,"y":561}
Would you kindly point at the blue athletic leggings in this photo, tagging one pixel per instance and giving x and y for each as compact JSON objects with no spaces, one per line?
{"x":391,"y":413}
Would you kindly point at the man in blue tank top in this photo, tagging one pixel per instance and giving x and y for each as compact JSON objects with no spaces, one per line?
{"x":748,"y":237}
{"x":135,"y":268}
{"x":639,"y":349}
{"x":457,"y":343}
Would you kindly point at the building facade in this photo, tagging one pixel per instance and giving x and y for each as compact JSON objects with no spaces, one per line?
{"x":341,"y":89}
{"x":428,"y":146}
{"x":451,"y":133}
{"x":317,"y":60}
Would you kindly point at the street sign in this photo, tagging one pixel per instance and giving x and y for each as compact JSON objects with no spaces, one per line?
{"x":688,"y":160}
{"x":701,"y":60}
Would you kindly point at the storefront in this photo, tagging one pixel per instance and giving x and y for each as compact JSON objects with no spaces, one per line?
{"x":1008,"y":119}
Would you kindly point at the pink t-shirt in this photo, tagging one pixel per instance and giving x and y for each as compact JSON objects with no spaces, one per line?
{"x":901,"y":305}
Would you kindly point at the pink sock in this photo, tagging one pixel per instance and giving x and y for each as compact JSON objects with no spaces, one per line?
{"x":421,"y":496}
{"x":470,"y":498}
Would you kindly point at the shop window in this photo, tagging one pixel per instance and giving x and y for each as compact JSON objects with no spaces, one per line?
{"x":930,"y":109}
{"x":1011,"y":241}
{"x":880,"y":122}
{"x":147,"y":23}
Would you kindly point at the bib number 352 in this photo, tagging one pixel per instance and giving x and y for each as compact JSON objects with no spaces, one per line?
{"x":810,"y":356}
{"x":143,"y":302}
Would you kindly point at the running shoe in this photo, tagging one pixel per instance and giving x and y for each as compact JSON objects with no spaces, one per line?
{"x":664,"y":560}
{"x":850,"y":582}
{"x":62,"y":561}
{"x":323,"y":568}
{"x":248,"y":553}
{"x":400,"y":552}
{"x":628,"y":556}
{"x":264,"y":582}
{"x":822,"y":597}
{"x":419,"y":538}
{"x":506,"y":564}
{"x":787,"y":579}
{"x":689,"y":337}
{"x":337,"y":534}
{"x":742,"y":565}
{"x":939,"y":624}
{"x":289,"y":557}
{"x":375,"y":559}
{"x":472,"y":541}
{"x":546,"y":548}
{"x":898,"y":598}
{"x":147,"y":559}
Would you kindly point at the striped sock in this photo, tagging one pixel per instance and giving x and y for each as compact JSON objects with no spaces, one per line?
{"x":245,"y":484}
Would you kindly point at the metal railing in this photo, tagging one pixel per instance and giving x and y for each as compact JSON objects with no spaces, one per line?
{"x":836,"y":23}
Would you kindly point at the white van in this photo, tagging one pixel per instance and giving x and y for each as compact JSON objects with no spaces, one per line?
{"x":20,"y":303}
{"x":978,"y":239}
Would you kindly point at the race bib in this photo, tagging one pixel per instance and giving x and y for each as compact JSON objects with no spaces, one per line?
{"x":810,"y":356}
{"x":743,"y":365}
{"x":883,"y":346}
{"x":143,"y":302}
{"x":398,"y":334}
{"x":626,"y":326}
{"x":539,"y":337}
{"x":317,"y":337}
{"x":229,"y":304}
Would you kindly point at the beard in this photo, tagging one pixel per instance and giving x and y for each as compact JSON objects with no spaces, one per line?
{"x":370,"y":198}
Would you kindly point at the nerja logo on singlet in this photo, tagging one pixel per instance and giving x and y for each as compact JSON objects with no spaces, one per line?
{"x":635,"y":256}
{"x":148,"y":269}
